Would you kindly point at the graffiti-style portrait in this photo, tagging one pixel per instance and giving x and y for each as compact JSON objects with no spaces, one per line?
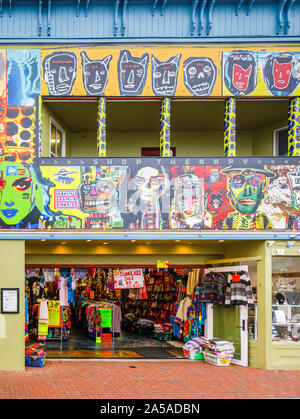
{"x":247,"y":189}
{"x":280,"y":73}
{"x":293,"y":220}
{"x":23,"y":76}
{"x":164,"y":75}
{"x":99,"y":194}
{"x":199,"y":75}
{"x":145,"y":203}
{"x":132,"y":73}
{"x":60,"y":72}
{"x":240,"y":73}
{"x":187,"y":209}
{"x":95,"y":74}
{"x":24,"y":199}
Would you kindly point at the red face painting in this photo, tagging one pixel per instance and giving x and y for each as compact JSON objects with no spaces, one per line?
{"x":241,"y":77}
{"x":282,"y":74}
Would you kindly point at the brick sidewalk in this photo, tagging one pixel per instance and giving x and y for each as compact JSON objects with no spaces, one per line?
{"x":147,"y":380}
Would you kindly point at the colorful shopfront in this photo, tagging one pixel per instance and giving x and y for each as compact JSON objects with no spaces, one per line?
{"x":166,"y":163}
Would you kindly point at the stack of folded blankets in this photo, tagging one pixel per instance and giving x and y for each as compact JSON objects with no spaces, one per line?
{"x":163,"y":328}
{"x":194,"y":344}
{"x":218,"y":347}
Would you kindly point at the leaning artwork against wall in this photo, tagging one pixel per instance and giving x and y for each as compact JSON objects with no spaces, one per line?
{"x":151,"y":194}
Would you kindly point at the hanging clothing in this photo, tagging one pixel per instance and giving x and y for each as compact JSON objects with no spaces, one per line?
{"x":49,"y":274}
{"x":183,"y":308}
{"x":239,"y":290}
{"x":196,"y":315}
{"x":213,"y":288}
{"x":63,"y":291}
{"x":193,"y":280}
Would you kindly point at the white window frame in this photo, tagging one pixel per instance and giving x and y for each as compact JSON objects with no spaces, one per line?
{"x":63,"y":137}
{"x":276,"y":139}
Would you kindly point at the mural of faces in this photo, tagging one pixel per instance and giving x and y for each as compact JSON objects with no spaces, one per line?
{"x":16,"y":192}
{"x":60,"y":72}
{"x":95,"y":74}
{"x":280,"y":74}
{"x":294,"y":183}
{"x":247,"y":189}
{"x":164,"y":75}
{"x":132,"y":73}
{"x":199,"y":75}
{"x":240,"y":73}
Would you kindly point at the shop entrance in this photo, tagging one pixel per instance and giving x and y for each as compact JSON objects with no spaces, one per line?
{"x":111,"y":312}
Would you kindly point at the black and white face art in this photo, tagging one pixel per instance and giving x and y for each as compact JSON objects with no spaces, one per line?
{"x":199,"y":75}
{"x":164,"y":75}
{"x":95,"y":74}
{"x":132,"y":73}
{"x":60,"y":72}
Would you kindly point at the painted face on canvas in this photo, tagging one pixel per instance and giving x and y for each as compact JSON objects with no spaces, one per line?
{"x":16,"y":192}
{"x":95,"y":74}
{"x":132,"y":73}
{"x":199,"y":75}
{"x":240,"y":73}
{"x":149,"y":182}
{"x":247,"y":190}
{"x":164,"y":76}
{"x":60,"y":72}
{"x":294,"y":183}
{"x":280,"y":74}
{"x":97,"y":196}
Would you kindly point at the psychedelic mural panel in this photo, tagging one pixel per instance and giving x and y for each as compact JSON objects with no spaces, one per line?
{"x":237,"y":194}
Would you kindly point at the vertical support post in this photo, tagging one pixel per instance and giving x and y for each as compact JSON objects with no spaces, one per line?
{"x":165,"y":117}
{"x":40,"y":126}
{"x":230,"y":127}
{"x":294,"y":127}
{"x":101,"y":127}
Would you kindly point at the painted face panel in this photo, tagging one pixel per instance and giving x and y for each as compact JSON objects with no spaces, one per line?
{"x":247,"y":190}
{"x":16,"y":190}
{"x":189,"y":197}
{"x":60,"y":72}
{"x":280,"y":74}
{"x":240,"y":73}
{"x":199,"y":75}
{"x":97,"y":196}
{"x":95,"y":74}
{"x":164,"y":76}
{"x":149,"y":181}
{"x":132,"y":73}
{"x":294,"y":183}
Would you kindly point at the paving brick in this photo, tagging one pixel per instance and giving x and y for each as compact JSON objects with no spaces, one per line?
{"x":149,"y":380}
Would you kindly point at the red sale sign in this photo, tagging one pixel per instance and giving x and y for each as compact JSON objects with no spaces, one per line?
{"x":129,"y":278}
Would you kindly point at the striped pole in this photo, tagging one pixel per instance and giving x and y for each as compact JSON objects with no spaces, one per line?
{"x":230,"y":127}
{"x":294,"y":127}
{"x":165,"y":116}
{"x":101,"y":127}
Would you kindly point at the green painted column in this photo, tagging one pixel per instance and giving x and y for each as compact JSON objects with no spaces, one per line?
{"x":12,"y":325}
{"x":101,"y":127}
{"x":230,"y":127}
{"x":165,"y":132}
{"x":294,"y":127}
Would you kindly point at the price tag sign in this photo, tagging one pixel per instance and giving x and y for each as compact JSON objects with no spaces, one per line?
{"x":53,"y":313}
{"x":162,"y":264}
{"x":105,"y":314}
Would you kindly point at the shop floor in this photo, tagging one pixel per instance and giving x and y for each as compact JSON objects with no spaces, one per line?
{"x":127,"y":345}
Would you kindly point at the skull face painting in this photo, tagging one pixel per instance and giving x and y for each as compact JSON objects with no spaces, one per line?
{"x":60,"y":72}
{"x":240,"y":73}
{"x":199,"y":75}
{"x":132,"y":73}
{"x":95,"y":74}
{"x":164,"y":75}
{"x":149,"y":182}
{"x":280,"y":74}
